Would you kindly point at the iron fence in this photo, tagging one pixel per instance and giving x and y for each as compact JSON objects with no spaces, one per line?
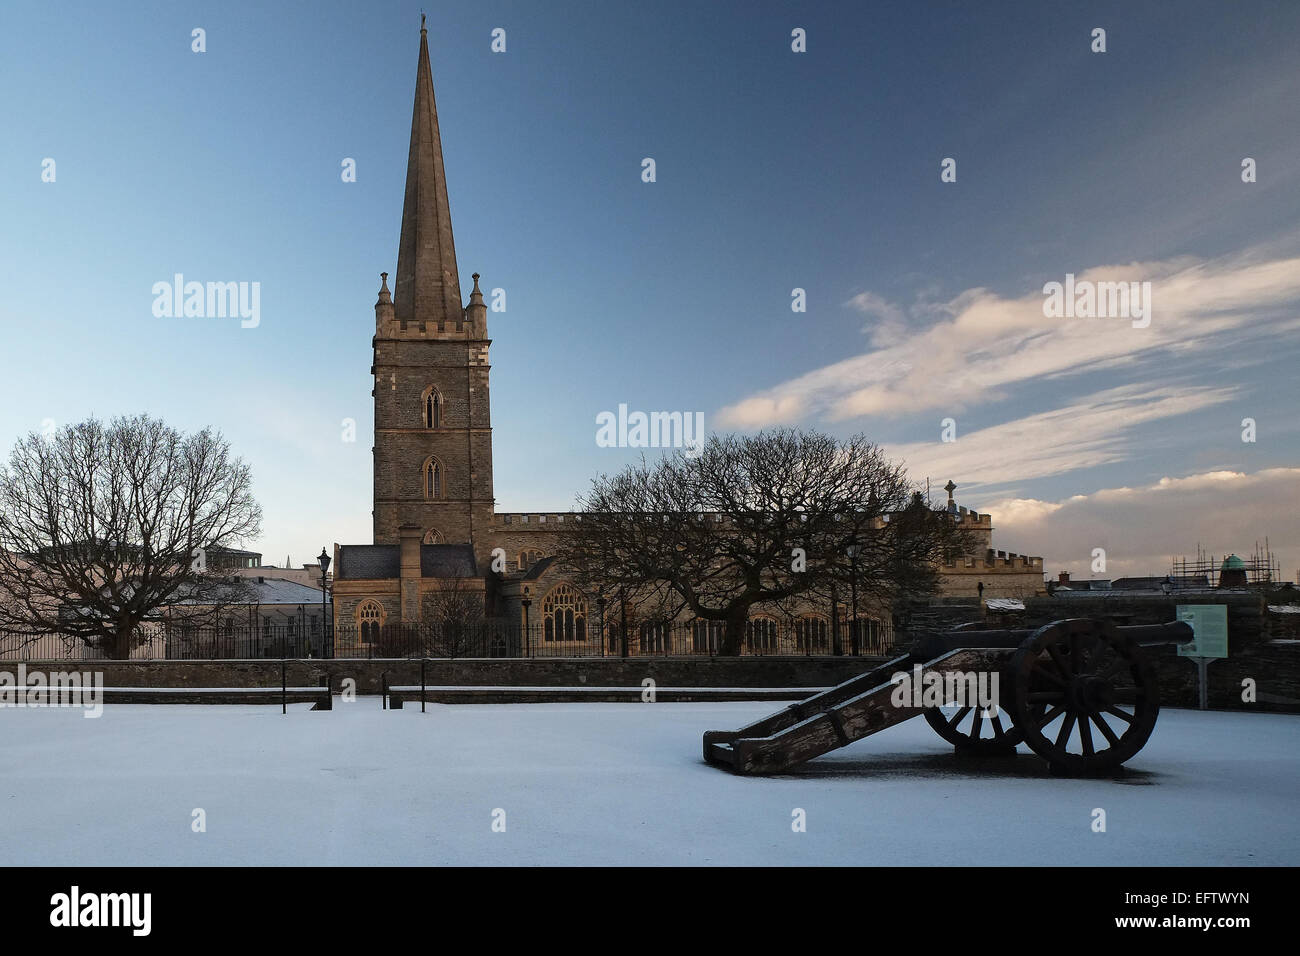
{"x":763,"y":637}
{"x":179,"y":644}
{"x":805,"y":637}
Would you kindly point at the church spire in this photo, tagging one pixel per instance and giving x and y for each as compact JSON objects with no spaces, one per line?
{"x":427,"y":288}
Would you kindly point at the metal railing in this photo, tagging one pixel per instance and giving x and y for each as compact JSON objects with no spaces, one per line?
{"x":763,"y":638}
{"x":154,"y":643}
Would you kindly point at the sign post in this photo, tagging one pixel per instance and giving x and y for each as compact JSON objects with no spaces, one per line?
{"x":1210,"y":641}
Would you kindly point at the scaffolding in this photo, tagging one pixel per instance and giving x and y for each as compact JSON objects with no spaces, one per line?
{"x":1262,"y":569}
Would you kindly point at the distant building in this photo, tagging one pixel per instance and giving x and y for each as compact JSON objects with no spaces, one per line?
{"x":1161,"y":582}
{"x":1232,"y":573}
{"x":263,"y":617}
{"x":230,"y":559}
{"x":1064,"y":583}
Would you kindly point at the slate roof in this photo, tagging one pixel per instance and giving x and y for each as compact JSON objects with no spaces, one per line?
{"x":368,"y":561}
{"x":384,"y":561}
{"x":538,"y":569}
{"x":267,"y":591}
{"x":447,"y":561}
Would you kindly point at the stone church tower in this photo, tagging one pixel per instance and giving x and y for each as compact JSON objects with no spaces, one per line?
{"x":433,"y":429}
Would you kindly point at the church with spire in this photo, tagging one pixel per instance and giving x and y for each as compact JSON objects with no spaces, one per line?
{"x":439,"y":541}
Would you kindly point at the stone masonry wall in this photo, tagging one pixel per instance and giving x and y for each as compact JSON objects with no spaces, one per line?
{"x":370,"y":674}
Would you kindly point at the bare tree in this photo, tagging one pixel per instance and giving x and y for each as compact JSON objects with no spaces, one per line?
{"x":101,"y":525}
{"x":456,"y":615}
{"x":760,"y":519}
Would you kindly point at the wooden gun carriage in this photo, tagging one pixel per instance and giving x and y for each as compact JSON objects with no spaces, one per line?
{"x":1080,"y":693}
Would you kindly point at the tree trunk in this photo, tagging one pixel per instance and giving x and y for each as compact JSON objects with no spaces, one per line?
{"x":122,"y":640}
{"x":734,"y":638}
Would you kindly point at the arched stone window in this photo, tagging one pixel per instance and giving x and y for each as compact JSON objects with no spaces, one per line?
{"x":656,"y":637}
{"x":528,"y":558}
{"x":431,"y":407}
{"x":762,"y":635}
{"x":370,"y":618}
{"x":432,"y":479}
{"x":564,"y":614}
{"x":706,"y":636}
{"x":433,"y":536}
{"x":812,"y":634}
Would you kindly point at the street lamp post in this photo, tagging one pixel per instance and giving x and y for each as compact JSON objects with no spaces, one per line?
{"x":528,"y":641}
{"x":853,"y":588}
{"x":622,"y":630}
{"x":600,"y":610}
{"x":837,"y":646}
{"x":324,"y":560}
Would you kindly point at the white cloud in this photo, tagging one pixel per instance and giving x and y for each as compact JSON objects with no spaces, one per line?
{"x":975,"y":347}
{"x":1095,"y":430}
{"x":1143,"y":528}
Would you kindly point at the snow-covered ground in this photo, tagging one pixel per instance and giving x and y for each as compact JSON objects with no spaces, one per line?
{"x":611,"y":784}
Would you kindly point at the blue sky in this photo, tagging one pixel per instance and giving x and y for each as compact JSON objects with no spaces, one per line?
{"x":775,"y":170}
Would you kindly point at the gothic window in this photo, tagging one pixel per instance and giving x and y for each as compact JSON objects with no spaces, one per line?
{"x":811,"y":635}
{"x":433,"y":536}
{"x":431,"y":408}
{"x":762,"y":633}
{"x":656,"y":637}
{"x":433,"y":479}
{"x":706,"y":636}
{"x":370,"y":618}
{"x":564,"y":614}
{"x":528,"y":558}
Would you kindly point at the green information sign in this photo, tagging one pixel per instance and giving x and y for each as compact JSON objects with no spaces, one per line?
{"x":1210,"y":627}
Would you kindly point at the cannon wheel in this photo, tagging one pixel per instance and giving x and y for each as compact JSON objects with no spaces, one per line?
{"x":973,"y":732}
{"x":970,"y":730}
{"x":1084,"y":697}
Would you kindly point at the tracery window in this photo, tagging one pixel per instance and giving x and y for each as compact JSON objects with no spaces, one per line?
{"x":762,"y":634}
{"x":431,"y":408}
{"x":433,"y":479}
{"x":370,"y":618}
{"x":564,"y":614}
{"x":812,"y":635}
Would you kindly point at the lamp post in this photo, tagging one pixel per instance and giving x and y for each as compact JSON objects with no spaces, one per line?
{"x":622,"y":630}
{"x":837,"y":646}
{"x":600,"y":610}
{"x":528,"y":642}
{"x":324,"y":560}
{"x":852,"y":551}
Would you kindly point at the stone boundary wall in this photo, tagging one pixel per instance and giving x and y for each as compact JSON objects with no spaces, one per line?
{"x":1262,"y":646}
{"x":557,"y":672}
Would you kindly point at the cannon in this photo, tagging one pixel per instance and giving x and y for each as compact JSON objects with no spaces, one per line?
{"x":1080,"y":693}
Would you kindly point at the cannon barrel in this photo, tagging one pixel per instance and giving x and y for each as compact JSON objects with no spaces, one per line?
{"x":1144,"y":635}
{"x":1148,"y":635}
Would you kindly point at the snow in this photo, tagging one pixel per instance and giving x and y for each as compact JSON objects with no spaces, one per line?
{"x":1005,"y":604}
{"x":619,"y":689}
{"x":1284,"y":608}
{"x":612,"y":784}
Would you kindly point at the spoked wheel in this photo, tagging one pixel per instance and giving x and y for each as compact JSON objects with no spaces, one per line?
{"x":1084,"y":697}
{"x":973,"y":731}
